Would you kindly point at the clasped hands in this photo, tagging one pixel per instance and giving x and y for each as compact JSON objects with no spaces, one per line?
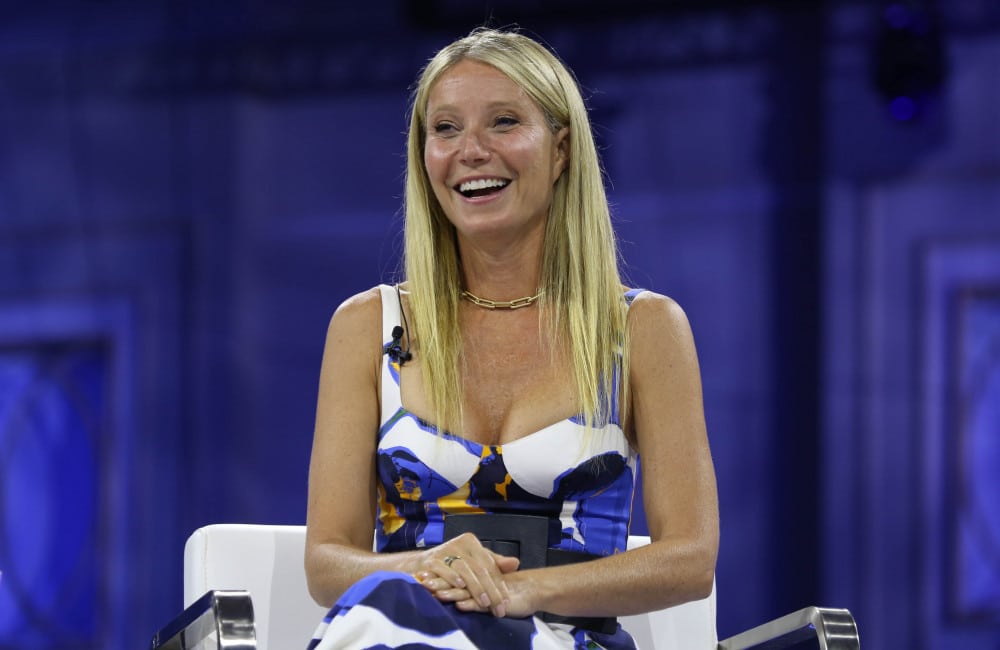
{"x":464,"y":572}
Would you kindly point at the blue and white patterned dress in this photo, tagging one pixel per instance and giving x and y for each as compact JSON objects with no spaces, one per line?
{"x":582,"y":479}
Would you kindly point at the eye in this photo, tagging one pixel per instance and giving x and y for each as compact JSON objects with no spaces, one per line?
{"x":443,"y":128}
{"x":505,"y":121}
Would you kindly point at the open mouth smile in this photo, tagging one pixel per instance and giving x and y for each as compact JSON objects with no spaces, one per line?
{"x":481,"y":187}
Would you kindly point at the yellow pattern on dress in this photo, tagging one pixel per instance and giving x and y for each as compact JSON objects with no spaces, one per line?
{"x":502,"y":487}
{"x":457,"y":503}
{"x":388,"y":516}
{"x":408,"y":488}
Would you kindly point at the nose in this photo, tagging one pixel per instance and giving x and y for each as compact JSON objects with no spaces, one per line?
{"x":472,"y":149}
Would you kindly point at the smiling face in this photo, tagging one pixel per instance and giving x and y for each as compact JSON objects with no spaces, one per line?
{"x":490,"y":155}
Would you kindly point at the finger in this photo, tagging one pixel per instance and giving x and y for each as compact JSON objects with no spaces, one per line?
{"x":483,"y":580}
{"x":470,"y":605}
{"x":452,"y":595}
{"x":443,"y":591}
{"x":506,"y":563}
{"x":435,"y":584}
{"x":449,"y":570}
{"x":470,"y":566}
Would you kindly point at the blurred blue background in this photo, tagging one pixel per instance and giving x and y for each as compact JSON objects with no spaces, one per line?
{"x":189,"y":189}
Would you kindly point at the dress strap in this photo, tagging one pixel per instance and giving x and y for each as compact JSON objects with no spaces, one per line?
{"x":390,"y":399}
{"x":391,"y":315}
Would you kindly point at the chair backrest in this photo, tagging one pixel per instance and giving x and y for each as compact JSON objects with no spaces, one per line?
{"x":268,"y":561}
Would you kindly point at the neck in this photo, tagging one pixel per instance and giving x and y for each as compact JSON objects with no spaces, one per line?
{"x":509,"y":274}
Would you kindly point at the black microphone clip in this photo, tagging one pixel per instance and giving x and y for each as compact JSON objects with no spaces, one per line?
{"x":395,"y":349}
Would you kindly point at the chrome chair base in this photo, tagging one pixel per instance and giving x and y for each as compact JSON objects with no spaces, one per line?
{"x":224,"y":620}
{"x":219,"y":619}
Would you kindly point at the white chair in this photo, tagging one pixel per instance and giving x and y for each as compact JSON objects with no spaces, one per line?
{"x":245,"y":589}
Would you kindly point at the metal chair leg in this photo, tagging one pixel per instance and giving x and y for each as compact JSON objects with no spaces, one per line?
{"x":834,"y":628}
{"x":217,"y":620}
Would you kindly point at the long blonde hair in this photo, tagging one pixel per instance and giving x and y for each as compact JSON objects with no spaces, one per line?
{"x":582,"y":287}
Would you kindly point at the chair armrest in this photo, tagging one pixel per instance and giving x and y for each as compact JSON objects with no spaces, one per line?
{"x":834,"y":628}
{"x":217,"y":620}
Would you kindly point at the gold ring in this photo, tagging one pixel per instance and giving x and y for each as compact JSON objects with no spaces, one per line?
{"x":449,"y":559}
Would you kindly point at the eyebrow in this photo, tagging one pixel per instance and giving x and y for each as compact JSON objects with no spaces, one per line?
{"x":491,"y":106}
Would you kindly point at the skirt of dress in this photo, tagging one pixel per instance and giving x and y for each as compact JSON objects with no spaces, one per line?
{"x":392,"y":610}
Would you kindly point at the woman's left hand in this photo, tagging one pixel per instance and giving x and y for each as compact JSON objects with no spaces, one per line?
{"x":514,"y":605}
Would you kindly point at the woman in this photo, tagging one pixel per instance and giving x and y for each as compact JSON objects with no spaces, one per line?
{"x":511,"y":379}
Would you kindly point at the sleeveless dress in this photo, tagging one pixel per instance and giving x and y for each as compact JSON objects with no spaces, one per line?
{"x":581,"y":479}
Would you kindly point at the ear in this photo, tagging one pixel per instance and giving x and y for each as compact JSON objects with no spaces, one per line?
{"x":561,"y":160}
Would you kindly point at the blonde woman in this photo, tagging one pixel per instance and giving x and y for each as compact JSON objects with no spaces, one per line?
{"x":485,"y":416}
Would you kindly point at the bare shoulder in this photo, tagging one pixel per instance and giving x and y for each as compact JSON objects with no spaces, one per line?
{"x":361,"y":309}
{"x":661,"y":344}
{"x":357,"y":322}
{"x":655,"y":315}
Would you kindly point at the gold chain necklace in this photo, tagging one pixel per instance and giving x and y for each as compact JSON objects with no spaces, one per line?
{"x":486,"y":303}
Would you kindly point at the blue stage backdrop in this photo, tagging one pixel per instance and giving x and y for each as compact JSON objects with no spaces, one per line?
{"x":188,"y":190}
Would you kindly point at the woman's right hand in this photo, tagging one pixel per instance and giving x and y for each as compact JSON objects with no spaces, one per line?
{"x":464,"y":572}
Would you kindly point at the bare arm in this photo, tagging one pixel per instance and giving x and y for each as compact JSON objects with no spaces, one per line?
{"x":679,"y":484}
{"x":341,"y":508}
{"x":340,"y":512}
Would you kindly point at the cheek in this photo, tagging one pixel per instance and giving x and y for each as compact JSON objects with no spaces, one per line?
{"x":434,"y":162}
{"x":534,"y":154}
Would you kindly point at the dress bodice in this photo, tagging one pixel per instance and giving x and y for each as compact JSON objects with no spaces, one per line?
{"x":581,"y":478}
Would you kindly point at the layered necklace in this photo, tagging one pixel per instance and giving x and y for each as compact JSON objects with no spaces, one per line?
{"x":486,"y":303}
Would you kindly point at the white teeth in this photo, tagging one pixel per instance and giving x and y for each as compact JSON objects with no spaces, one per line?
{"x":481,"y":184}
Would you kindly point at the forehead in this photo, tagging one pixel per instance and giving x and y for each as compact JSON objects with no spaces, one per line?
{"x":470,"y":82}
